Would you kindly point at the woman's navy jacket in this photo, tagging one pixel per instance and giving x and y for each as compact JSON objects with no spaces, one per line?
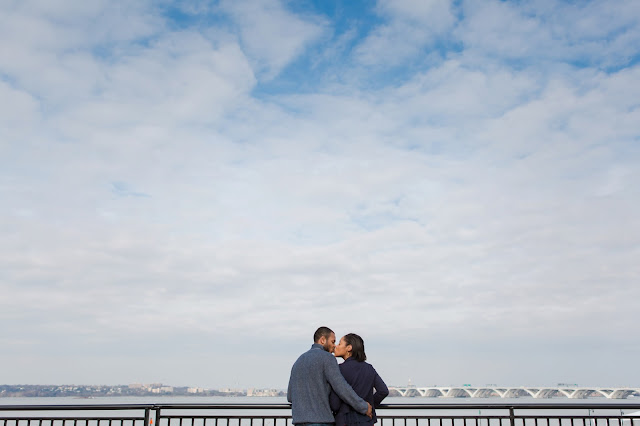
{"x":364,"y":379}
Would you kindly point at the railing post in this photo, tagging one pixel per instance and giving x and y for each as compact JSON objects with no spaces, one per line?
{"x":146,"y":416}
{"x":512,"y":418}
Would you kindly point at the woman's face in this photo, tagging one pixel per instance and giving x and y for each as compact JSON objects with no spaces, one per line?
{"x":343,"y":350}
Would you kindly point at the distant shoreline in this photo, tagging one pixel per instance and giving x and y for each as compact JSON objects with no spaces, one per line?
{"x":93,"y":391}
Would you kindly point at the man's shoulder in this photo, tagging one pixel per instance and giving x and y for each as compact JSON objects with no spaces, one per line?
{"x":316,"y":350}
{"x":318,"y":355}
{"x":314,"y":355}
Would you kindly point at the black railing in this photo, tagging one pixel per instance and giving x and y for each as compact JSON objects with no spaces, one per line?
{"x":442,"y":414}
{"x":526,"y":414}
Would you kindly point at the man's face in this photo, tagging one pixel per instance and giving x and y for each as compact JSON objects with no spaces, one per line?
{"x":329,"y":344}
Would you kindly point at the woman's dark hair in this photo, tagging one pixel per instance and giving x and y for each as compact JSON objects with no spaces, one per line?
{"x":357,"y":346}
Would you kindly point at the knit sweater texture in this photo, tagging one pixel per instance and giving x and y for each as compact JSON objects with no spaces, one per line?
{"x":313,"y":376}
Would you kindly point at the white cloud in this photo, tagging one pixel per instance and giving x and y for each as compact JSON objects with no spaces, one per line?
{"x":552,"y":33}
{"x":272,"y":36}
{"x":42,"y":35}
{"x":18,"y":111}
{"x":411,"y":27}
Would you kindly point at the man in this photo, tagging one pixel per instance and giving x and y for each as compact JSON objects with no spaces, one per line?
{"x":312,"y":377}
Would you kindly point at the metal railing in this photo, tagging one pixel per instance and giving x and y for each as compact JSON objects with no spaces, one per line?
{"x":75,"y":415}
{"x":442,"y":414}
{"x":531,"y":414}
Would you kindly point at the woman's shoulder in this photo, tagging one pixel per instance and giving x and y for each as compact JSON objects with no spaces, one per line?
{"x":367,"y":364}
{"x":352,"y":364}
{"x":363,"y":366}
{"x":370,"y":368}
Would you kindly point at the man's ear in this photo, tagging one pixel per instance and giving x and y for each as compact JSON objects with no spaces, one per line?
{"x":322,"y":340}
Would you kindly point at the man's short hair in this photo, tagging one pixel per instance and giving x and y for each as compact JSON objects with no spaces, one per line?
{"x":320,"y":332}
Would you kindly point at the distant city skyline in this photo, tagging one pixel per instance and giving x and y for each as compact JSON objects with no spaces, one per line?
{"x":562,"y":390}
{"x":410,"y":384}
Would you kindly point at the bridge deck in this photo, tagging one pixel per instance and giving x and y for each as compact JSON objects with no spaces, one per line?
{"x":514,"y":392}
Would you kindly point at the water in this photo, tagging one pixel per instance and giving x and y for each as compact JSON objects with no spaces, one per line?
{"x":160,"y":399}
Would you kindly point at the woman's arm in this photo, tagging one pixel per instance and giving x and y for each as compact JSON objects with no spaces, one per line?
{"x":334,"y":401}
{"x":382,"y":391}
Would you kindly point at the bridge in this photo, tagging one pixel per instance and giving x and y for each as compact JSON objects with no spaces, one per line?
{"x":573,"y":392}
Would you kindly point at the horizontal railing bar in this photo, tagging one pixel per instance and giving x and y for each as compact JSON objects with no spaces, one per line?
{"x":222,"y":416}
{"x":238,"y":406}
{"x":100,"y":407}
{"x":445,"y":417}
{"x":527,"y":406}
{"x":242,"y":406}
{"x":568,"y":416}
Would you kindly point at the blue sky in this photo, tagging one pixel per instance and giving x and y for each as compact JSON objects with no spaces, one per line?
{"x":190,"y":188}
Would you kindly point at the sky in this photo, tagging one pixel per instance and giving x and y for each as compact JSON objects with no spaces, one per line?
{"x":188,"y":189}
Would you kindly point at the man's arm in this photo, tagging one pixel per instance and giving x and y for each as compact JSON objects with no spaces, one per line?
{"x":289,"y":391}
{"x":343,"y":389}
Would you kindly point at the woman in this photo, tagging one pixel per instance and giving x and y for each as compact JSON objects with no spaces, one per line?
{"x":362,"y":377}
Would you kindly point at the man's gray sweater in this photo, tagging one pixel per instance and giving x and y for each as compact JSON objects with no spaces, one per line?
{"x":312,"y":377}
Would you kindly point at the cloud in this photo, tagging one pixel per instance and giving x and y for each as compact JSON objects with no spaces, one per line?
{"x":410,"y":28}
{"x":548,"y":33}
{"x":18,"y":111}
{"x":271,"y":35}
{"x":54,"y":35}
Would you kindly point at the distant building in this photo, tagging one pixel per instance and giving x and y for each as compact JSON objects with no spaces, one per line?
{"x":162,"y":389}
{"x":263,"y":392}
